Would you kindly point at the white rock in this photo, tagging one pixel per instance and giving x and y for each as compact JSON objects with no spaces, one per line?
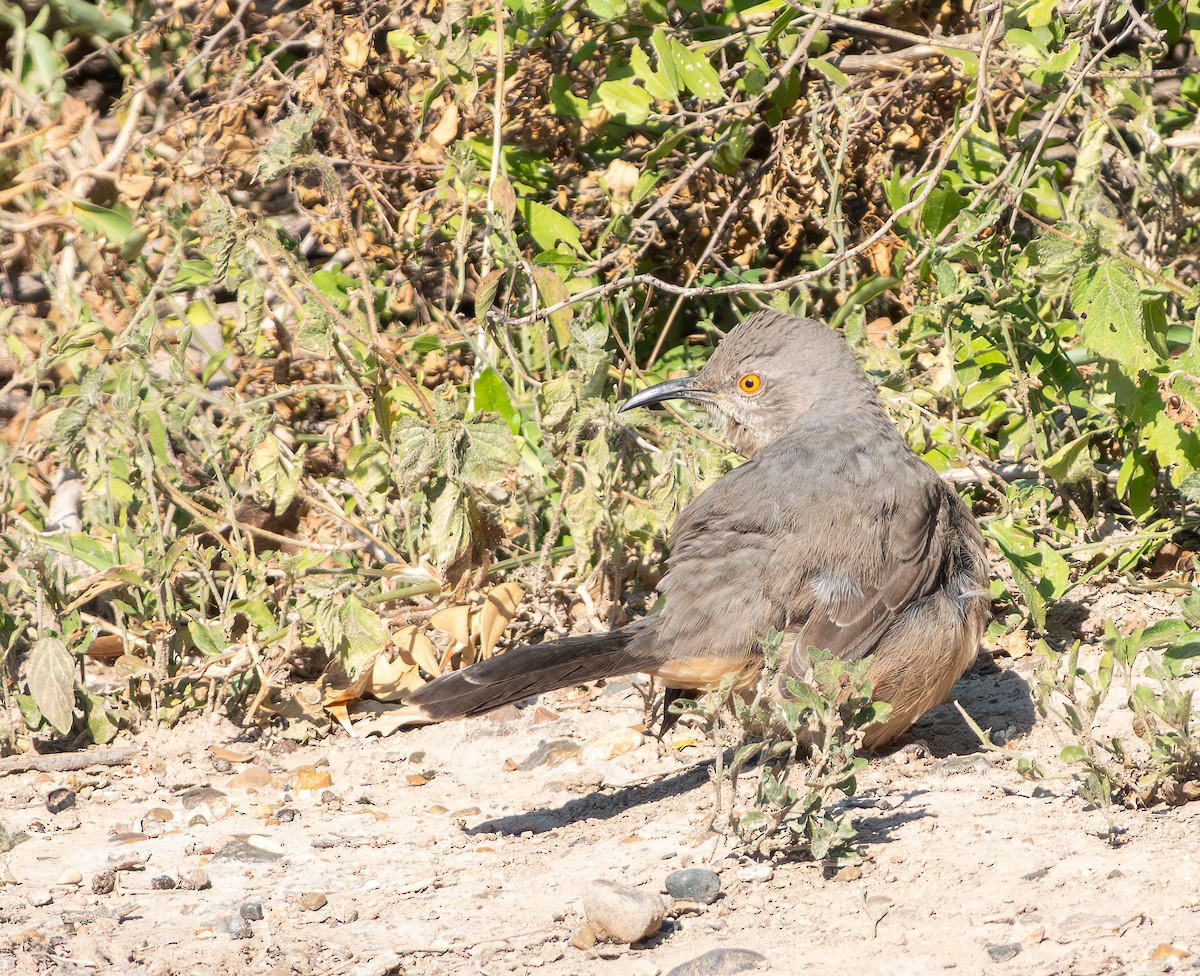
{"x":69,"y":877}
{"x":756,"y":872}
{"x":623,"y":914}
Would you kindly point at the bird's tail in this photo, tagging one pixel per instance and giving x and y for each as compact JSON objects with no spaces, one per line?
{"x":532,"y":670}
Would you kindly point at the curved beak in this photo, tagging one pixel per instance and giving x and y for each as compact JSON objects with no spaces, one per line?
{"x":684,"y":388}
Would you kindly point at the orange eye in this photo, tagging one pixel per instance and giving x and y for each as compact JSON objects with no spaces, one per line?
{"x":750,"y":384}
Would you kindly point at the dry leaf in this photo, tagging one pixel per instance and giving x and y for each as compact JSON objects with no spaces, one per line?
{"x":106,"y":647}
{"x":455,"y":621}
{"x":496,"y":614}
{"x":393,"y":680}
{"x":446,"y":131}
{"x":376,"y":718}
{"x":416,"y":648}
{"x":620,"y":178}
{"x":220,"y":752}
{"x":129,"y":666}
{"x":357,"y":48}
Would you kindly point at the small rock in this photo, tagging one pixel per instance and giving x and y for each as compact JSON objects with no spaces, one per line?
{"x":694,"y":884}
{"x":245,"y":849}
{"x":251,"y":778}
{"x":199,"y":820}
{"x":285,"y":814}
{"x":105,"y":882}
{"x":611,"y":744}
{"x":221,"y":766}
{"x":251,"y":911}
{"x":584,"y":936}
{"x":200,"y":794}
{"x":163,"y":882}
{"x":157,"y":815}
{"x":59,"y":800}
{"x":195,"y":880}
{"x":720,"y":962}
{"x":309,"y":778}
{"x":851,"y":872}
{"x":238,"y":927}
{"x":623,"y":914}
{"x":39,"y":899}
{"x":1003,"y":953}
{"x":69,"y":877}
{"x":313,"y":901}
{"x":344,"y":915}
{"x":755,"y":873}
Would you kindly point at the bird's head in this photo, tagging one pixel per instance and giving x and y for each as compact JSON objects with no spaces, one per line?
{"x":765,"y":377}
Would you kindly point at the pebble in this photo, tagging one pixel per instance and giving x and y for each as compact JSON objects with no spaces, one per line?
{"x":163,"y":882}
{"x":238,"y":927}
{"x":285,"y":814}
{"x":39,"y":899}
{"x":755,"y":872}
{"x":69,"y":877}
{"x":59,"y":800}
{"x":251,"y":911}
{"x":623,"y":914}
{"x":694,"y":884}
{"x":195,"y":880}
{"x":245,"y":849}
{"x":313,"y":901}
{"x":584,"y":936}
{"x":720,"y":962}
{"x":1003,"y":953}
{"x":105,"y":882}
{"x":198,"y":795}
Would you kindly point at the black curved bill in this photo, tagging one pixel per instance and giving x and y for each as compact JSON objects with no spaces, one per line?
{"x":684,"y":388}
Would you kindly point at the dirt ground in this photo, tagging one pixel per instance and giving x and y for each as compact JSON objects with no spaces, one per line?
{"x":453,"y":850}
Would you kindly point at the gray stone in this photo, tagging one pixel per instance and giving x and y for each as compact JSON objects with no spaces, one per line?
{"x":1003,"y":953}
{"x":720,"y":962}
{"x":251,"y":911}
{"x":694,"y":884}
{"x":622,"y":914}
{"x":238,"y":927}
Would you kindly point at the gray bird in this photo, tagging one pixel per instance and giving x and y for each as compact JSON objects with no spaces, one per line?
{"x":833,"y":533}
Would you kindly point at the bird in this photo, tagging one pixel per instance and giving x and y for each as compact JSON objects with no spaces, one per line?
{"x":833,"y":533}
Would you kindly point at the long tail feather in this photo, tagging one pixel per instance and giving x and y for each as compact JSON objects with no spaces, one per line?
{"x":531,"y":670}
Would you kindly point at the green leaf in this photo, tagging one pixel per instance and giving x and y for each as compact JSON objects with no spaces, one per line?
{"x":732,"y":151}
{"x":416,"y":450}
{"x":447,"y":524}
{"x":626,"y":101}
{"x":657,"y":83}
{"x":363,"y":635}
{"x":1108,"y":302}
{"x":547,"y":226}
{"x":114,"y":225}
{"x":830,"y":71}
{"x":489,"y":450}
{"x":1072,"y":755}
{"x":275,"y":477}
{"x":485,"y":294}
{"x":863,"y":292}
{"x":940,"y":209}
{"x":697,"y":74}
{"x":552,"y":290}
{"x":52,"y":681}
{"x":491,"y":394}
{"x":102,"y":727}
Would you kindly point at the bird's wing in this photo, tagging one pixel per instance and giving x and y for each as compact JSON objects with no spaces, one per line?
{"x":720,"y":598}
{"x":909,"y":564}
{"x":772,"y":545}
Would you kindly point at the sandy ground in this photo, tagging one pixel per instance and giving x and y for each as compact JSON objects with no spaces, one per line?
{"x":428,"y":852}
